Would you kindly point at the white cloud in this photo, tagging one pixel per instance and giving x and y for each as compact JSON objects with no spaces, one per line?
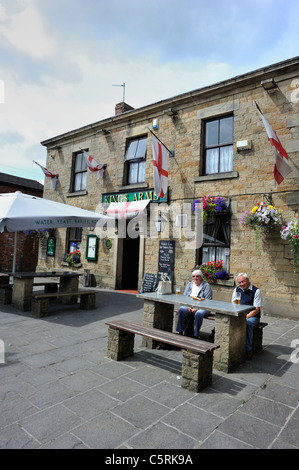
{"x":59,"y":59}
{"x":24,"y":30}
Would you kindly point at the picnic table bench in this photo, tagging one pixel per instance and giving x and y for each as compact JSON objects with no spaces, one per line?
{"x":230,"y":324}
{"x":40,"y":302}
{"x":257,"y":340}
{"x":197,"y":361}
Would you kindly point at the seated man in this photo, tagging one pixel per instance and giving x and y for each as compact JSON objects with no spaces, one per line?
{"x":250,"y":295}
{"x":196,"y":288}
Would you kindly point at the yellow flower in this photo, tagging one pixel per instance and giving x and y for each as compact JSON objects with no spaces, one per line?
{"x":272,"y":207}
{"x":253,"y":211}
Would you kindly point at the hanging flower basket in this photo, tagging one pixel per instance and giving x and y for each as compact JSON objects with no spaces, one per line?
{"x":210,"y":205}
{"x":42,"y":235}
{"x":262,"y":218}
{"x":290,"y":233}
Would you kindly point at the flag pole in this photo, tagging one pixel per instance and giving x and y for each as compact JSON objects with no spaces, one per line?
{"x":258,"y":107}
{"x":171,"y":152}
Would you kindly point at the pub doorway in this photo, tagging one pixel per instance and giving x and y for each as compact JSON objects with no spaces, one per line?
{"x":130,"y":263}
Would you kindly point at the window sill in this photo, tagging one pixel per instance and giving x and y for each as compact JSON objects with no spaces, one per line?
{"x":216,"y":176}
{"x":225,"y":282}
{"x":77,"y":193}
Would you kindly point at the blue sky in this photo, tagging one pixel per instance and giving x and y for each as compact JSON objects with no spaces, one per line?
{"x":59,"y":59}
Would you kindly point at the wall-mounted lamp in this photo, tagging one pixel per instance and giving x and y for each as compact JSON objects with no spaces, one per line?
{"x":103,"y":131}
{"x":170,"y":112}
{"x":268,"y":84}
{"x":160,"y":223}
{"x":243,"y":145}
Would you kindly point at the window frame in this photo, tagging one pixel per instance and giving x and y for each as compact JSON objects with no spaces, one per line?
{"x":75,"y":172}
{"x":76,"y":238}
{"x":139,"y":160}
{"x":225,"y":218}
{"x":219,"y":145}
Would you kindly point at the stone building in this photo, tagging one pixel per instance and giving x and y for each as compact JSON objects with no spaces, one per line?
{"x":27,"y":247}
{"x":221,"y":149}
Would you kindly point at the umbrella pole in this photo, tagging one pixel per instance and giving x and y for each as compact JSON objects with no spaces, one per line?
{"x":14,"y":253}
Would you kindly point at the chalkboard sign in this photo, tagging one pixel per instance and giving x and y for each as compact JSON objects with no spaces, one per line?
{"x":149,"y":283}
{"x":166,"y":258}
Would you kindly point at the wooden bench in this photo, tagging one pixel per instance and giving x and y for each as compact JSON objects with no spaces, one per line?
{"x":50,"y":287}
{"x":5,"y":293}
{"x":40,"y":303}
{"x":197,"y":355}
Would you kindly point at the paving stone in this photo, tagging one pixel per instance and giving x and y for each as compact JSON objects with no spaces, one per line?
{"x":148,"y":411}
{"x":161,"y":436}
{"x":193,"y":421}
{"x":106,"y":431}
{"x":250,"y":430}
{"x":48,"y":425}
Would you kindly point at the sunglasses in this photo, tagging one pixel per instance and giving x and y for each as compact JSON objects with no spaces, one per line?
{"x":196,"y":276}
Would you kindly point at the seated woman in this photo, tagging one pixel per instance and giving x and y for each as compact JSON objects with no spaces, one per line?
{"x":196,"y":288}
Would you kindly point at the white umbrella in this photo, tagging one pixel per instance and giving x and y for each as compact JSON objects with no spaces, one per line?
{"x":20,"y":211}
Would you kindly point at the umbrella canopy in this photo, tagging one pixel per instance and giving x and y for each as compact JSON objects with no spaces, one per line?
{"x":19,"y":211}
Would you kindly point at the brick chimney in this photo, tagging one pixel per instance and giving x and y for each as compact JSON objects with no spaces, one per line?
{"x":122,"y":108}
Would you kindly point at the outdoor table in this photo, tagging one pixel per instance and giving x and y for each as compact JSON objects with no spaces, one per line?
{"x":23,"y":286}
{"x":230,"y":323}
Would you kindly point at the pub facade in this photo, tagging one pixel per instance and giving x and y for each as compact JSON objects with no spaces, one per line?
{"x":219,"y":151}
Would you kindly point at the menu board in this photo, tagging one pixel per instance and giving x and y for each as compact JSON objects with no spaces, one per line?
{"x":166,"y":258}
{"x":149,"y":283}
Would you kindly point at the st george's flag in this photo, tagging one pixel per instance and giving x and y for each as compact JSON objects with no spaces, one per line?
{"x":281,"y":165}
{"x":94,"y":165}
{"x":49,"y":174}
{"x":160,"y":167}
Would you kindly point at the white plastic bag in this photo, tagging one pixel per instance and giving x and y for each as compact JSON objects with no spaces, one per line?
{"x":164,"y":286}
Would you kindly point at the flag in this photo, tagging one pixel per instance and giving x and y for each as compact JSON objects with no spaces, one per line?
{"x":160,"y":167}
{"x":94,"y":165}
{"x":281,"y":166}
{"x":48,"y":174}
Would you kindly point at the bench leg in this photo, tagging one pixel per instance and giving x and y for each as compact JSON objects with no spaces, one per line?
{"x":40,"y":308}
{"x":196,"y":370}
{"x":120,"y":344}
{"x":257,"y":340}
{"x":88,"y":301}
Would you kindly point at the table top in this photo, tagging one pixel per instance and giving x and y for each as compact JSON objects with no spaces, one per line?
{"x":218,"y":306}
{"x":23,"y":275}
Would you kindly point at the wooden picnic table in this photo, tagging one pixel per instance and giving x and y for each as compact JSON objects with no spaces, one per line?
{"x":230,"y":323}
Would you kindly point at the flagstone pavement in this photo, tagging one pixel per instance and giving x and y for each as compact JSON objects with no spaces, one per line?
{"x":58,"y":390}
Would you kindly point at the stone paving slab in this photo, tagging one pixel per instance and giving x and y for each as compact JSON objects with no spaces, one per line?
{"x":58,"y":390}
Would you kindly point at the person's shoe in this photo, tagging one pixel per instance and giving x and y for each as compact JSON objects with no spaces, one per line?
{"x":248,"y":355}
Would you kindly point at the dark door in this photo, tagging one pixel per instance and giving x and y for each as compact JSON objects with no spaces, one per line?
{"x":130,"y":263}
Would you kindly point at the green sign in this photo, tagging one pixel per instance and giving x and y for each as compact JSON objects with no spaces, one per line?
{"x":132,"y":196}
{"x":51,"y":246}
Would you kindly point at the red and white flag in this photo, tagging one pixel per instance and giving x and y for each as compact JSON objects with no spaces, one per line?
{"x":281,"y":166}
{"x":94,"y":165}
{"x":160,"y":167}
{"x":49,"y":174}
